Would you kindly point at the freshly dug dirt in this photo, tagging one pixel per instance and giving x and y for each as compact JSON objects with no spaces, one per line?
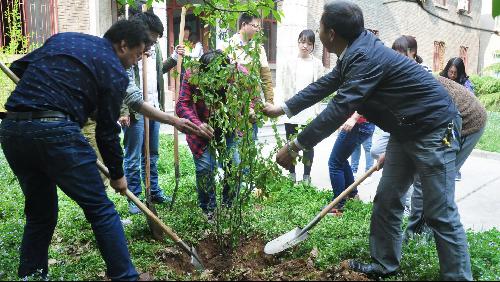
{"x":249,"y":262}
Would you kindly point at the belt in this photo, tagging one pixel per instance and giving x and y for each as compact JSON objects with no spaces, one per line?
{"x":38,"y":115}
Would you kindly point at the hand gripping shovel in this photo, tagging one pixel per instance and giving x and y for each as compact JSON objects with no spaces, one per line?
{"x":298,"y":235}
{"x":195,"y":259}
{"x":176,"y":96}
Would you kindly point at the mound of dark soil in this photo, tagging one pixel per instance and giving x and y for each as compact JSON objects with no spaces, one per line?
{"x":249,"y":262}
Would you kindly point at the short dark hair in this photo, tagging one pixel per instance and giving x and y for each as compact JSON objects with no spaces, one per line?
{"x":132,"y":32}
{"x":187,"y":27}
{"x":345,"y":18}
{"x":459,"y":64}
{"x":246,"y":18}
{"x":193,"y":38}
{"x":151,"y":20}
{"x":307,"y":35}
{"x":401,"y":45}
{"x":208,"y":58}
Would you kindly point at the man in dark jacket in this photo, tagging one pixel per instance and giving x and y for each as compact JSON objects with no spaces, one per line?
{"x":402,"y":98}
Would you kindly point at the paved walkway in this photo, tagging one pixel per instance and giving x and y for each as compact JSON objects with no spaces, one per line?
{"x":477,"y":194}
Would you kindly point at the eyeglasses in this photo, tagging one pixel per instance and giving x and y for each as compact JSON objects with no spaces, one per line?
{"x":256,"y":26}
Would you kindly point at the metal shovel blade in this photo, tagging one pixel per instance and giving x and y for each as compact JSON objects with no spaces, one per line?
{"x":285,"y":241}
{"x":195,"y":260}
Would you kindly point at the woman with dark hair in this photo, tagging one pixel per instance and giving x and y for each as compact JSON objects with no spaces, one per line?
{"x":300,"y":71}
{"x":455,"y":70}
{"x":197,"y":50}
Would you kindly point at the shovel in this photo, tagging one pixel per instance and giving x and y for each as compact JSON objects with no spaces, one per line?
{"x":195,"y":259}
{"x":177,"y":89}
{"x":298,"y":234}
{"x":156,"y":231}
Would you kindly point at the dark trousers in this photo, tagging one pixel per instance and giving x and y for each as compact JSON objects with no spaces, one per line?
{"x":435,"y":163}
{"x":290,"y":131}
{"x":43,"y":155}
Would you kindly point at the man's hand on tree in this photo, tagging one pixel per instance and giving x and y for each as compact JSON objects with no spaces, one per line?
{"x":207,"y":130}
{"x":272,"y":111}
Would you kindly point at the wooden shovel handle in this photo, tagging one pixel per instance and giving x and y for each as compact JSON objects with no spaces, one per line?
{"x":347,"y":191}
{"x":9,"y":73}
{"x":342,"y":195}
{"x":178,"y":83}
{"x":142,"y":207}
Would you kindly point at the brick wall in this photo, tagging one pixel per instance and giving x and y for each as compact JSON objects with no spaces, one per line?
{"x":398,"y":18}
{"x":73,"y":15}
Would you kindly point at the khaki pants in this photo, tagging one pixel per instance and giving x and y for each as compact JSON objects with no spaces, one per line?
{"x":88,"y":131}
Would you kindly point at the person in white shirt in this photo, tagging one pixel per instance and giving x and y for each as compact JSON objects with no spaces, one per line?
{"x":300,"y":71}
{"x":197,"y":50}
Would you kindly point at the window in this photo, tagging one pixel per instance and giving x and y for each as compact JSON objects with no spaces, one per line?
{"x":438,"y":59}
{"x":270,"y":29}
{"x":38,"y":20}
{"x":463,"y":55}
{"x":464,"y":6}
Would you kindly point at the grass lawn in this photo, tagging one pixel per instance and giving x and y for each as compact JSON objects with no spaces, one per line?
{"x":74,"y":256}
{"x":490,"y":141}
{"x":6,"y":87}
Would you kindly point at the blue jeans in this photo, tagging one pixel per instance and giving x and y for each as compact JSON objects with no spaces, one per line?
{"x":134,"y":162}
{"x":255,"y":131}
{"x":206,"y":166}
{"x":43,"y":155}
{"x":340,"y":171}
{"x":435,"y":164}
{"x":367,"y":146}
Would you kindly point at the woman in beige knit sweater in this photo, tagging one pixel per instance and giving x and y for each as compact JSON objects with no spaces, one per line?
{"x":300,"y":71}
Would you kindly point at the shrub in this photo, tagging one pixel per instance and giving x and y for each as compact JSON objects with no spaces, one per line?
{"x":488,"y":91}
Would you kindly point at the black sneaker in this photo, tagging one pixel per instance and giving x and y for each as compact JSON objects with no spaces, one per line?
{"x":160,"y":198}
{"x":372,"y":270}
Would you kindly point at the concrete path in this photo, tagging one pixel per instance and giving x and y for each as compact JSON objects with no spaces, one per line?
{"x":477,"y":194}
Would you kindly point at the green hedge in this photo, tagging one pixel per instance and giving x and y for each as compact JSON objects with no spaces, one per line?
{"x":488,"y":91}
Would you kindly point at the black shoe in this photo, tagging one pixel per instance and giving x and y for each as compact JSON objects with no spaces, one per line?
{"x":160,"y":198}
{"x":372,"y":270}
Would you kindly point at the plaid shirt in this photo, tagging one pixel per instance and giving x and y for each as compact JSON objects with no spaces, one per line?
{"x":198,"y":113}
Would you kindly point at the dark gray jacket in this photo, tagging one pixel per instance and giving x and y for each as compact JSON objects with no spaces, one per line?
{"x":389,"y":89}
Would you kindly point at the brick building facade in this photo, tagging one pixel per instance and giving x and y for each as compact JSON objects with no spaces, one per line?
{"x":88,"y":16}
{"x":437,"y":40}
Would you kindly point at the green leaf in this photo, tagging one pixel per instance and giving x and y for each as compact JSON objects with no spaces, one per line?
{"x":495,"y":8}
